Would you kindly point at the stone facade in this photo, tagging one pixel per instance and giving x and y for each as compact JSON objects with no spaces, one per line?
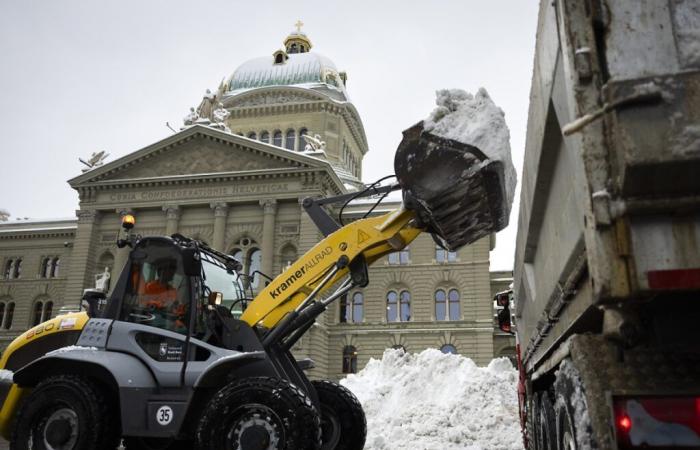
{"x":242,"y":195}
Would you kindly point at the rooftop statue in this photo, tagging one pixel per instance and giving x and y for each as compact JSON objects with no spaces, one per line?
{"x":95,"y":160}
{"x":191,"y":118}
{"x":4,"y":215}
{"x":314,"y":143}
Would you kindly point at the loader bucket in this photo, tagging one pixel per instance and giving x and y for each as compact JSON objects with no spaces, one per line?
{"x":457,"y":192}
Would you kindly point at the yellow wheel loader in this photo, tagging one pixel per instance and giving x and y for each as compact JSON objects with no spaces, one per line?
{"x":166,"y":364}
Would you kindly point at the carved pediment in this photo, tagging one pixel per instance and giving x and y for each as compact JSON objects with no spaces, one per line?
{"x":199,"y":155}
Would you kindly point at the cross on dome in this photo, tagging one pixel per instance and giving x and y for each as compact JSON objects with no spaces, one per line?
{"x":299,"y":24}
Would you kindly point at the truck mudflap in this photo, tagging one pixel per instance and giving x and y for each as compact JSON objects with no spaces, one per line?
{"x":644,"y":397}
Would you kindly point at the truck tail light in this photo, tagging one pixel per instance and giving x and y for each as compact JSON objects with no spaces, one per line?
{"x":677,"y":279}
{"x":657,"y":422}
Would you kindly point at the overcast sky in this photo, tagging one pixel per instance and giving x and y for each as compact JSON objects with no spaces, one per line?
{"x":83,"y":76}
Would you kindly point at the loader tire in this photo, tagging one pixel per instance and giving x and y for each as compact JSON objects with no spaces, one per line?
{"x":573,"y":425}
{"x":343,"y":423}
{"x":545,"y":432}
{"x":66,"y":412}
{"x":259,"y":413}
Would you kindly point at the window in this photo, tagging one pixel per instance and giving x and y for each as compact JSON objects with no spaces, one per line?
{"x":453,"y":299}
{"x":7,"y":273}
{"x":279,"y":58}
{"x":449,"y":348}
{"x":288,"y":255}
{"x":290,"y":141}
{"x":2,"y":312}
{"x":37,"y":314}
{"x":252,"y":135}
{"x":447,"y":305}
{"x":398,"y":306}
{"x":277,"y":139}
{"x":17,"y":272}
{"x":349,"y":359}
{"x":45,"y":269}
{"x":158,"y":291}
{"x":401,"y":257}
{"x":302,"y":142}
{"x":357,"y":307}
{"x":444,"y":256}
{"x":9,"y":315}
{"x":265,"y":137}
{"x":352,"y":312}
{"x":48,"y":311}
{"x":248,"y":253}
{"x":55,"y":264}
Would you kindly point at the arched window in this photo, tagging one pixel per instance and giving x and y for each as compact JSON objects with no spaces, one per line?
{"x":449,"y":348}
{"x":254,"y":263}
{"x":277,"y":139}
{"x":105,"y":261}
{"x":265,"y":137}
{"x":440,"y":305}
{"x":302,"y":142}
{"x":358,"y":304}
{"x":55,"y":266}
{"x":7,"y":273}
{"x":405,"y":298}
{"x":252,"y":135}
{"x":37,"y":313}
{"x":453,"y":299}
{"x":17,"y":272}
{"x":45,"y":269}
{"x":9,"y":315}
{"x":349,"y":359}
{"x":290,"y":140}
{"x":279,"y":58}
{"x":392,"y":306}
{"x":48,"y":311}
{"x":2,"y":311}
{"x":345,"y":311}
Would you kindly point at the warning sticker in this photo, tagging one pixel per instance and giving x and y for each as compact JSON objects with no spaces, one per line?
{"x":361,"y":236}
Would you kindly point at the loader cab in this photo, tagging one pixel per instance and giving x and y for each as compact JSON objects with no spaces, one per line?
{"x":155,"y":287}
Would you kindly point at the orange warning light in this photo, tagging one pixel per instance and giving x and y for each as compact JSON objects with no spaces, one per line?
{"x":128,"y":221}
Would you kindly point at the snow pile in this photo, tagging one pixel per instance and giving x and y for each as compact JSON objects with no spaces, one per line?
{"x":477,"y":121}
{"x":436,"y":401}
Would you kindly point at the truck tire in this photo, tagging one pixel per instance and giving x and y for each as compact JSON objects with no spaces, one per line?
{"x":545,"y":433}
{"x":66,"y":412}
{"x":140,"y":443}
{"x":343,"y":422}
{"x":573,"y":425}
{"x":259,"y":413}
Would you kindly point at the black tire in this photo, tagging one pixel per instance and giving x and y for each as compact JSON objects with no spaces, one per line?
{"x":66,"y":412}
{"x":343,"y":422}
{"x":571,"y":411}
{"x":140,"y":443}
{"x":545,"y":433}
{"x":259,"y":413}
{"x":530,"y":422}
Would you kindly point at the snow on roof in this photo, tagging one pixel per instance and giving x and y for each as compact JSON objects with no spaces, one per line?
{"x":34,"y":225}
{"x":300,"y":69}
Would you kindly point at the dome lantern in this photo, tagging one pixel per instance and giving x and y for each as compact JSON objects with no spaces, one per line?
{"x":297,"y":41}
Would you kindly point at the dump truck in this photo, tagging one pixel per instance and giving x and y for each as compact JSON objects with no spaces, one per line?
{"x":180,"y":357}
{"x":607,"y":265}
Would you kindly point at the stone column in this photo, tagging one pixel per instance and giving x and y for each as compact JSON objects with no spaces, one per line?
{"x":220,"y":215}
{"x":172,"y":214}
{"x":268,"y":235}
{"x":122,"y":254}
{"x":80,"y":273}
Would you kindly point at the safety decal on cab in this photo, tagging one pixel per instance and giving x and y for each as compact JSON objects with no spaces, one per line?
{"x":361,"y":236}
{"x":164,"y":415}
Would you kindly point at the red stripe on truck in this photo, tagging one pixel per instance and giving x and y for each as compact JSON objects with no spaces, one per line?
{"x":674,"y":279}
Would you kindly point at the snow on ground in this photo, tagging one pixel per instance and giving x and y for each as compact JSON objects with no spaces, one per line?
{"x":436,"y":401}
{"x":477,"y":121}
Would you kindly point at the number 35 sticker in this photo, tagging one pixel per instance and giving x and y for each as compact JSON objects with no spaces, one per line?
{"x":164,"y":415}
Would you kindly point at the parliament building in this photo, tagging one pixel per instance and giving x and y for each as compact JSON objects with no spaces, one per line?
{"x":279,"y":129}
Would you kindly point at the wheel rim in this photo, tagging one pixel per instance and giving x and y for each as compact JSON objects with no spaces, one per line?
{"x":330,"y":429}
{"x":255,"y":427}
{"x":60,"y":430}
